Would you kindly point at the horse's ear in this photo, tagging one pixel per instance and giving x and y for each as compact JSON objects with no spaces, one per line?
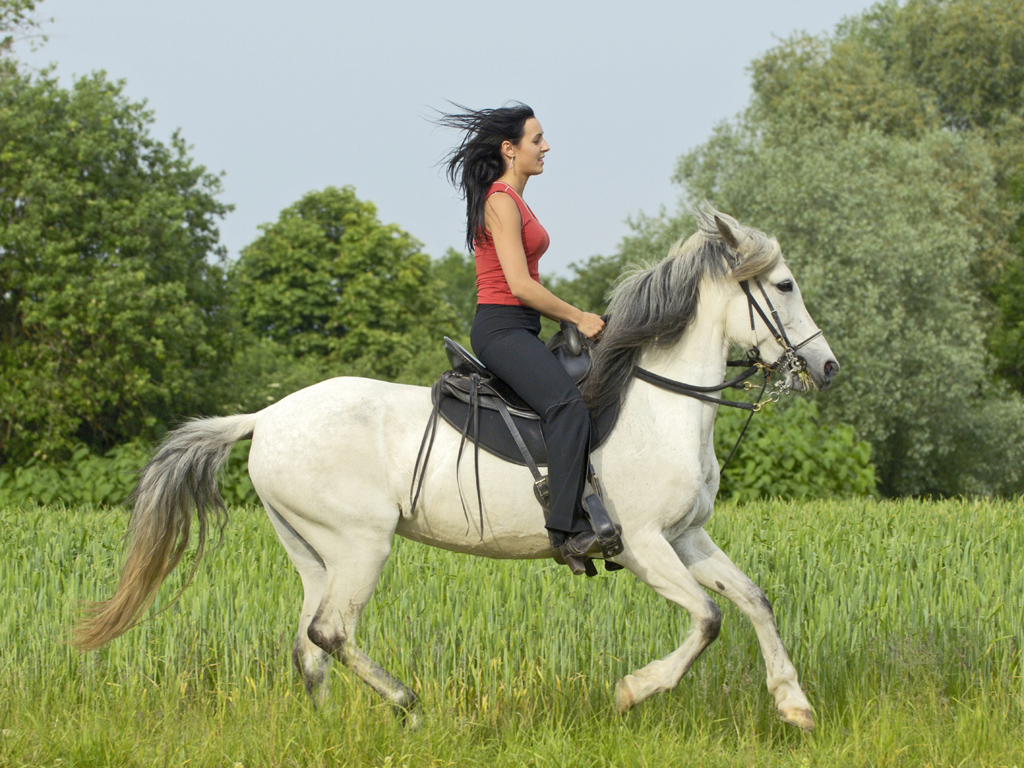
{"x":727,"y":234}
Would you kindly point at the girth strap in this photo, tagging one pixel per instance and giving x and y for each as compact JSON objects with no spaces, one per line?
{"x":474,"y":417}
{"x":420,"y":468}
{"x":427,"y":444}
{"x":539,"y":489}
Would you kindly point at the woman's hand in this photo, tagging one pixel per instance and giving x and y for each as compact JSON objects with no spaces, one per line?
{"x":590,"y":325}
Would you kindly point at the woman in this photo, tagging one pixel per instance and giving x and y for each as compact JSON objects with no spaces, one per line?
{"x":500,"y":151}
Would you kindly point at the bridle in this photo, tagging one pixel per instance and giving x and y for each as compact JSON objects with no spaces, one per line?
{"x":777,"y":330}
{"x":788,"y":361}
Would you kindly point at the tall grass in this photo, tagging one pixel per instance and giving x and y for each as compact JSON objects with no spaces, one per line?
{"x":904,"y":620}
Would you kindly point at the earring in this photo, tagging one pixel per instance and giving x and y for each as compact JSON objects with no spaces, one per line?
{"x":512,"y":164}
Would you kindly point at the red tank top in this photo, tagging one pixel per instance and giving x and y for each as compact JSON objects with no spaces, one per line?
{"x":491,"y":285}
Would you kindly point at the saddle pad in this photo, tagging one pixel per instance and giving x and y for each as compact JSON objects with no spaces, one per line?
{"x":494,"y":436}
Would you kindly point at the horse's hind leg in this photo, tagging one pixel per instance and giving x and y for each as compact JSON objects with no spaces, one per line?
{"x":352,"y":574}
{"x":311,"y":661}
{"x":712,"y":568}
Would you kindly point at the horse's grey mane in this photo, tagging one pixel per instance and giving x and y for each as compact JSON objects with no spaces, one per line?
{"x":655,"y":304}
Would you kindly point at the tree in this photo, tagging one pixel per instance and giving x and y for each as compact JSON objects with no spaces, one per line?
{"x":456,"y":276}
{"x":328,"y":279}
{"x":590,"y":284}
{"x":872,"y":227}
{"x":904,"y":70}
{"x":887,"y":171}
{"x":112,"y":316}
{"x":907,"y":71}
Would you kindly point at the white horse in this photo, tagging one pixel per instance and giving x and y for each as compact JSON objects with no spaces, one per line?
{"x":333,"y":465}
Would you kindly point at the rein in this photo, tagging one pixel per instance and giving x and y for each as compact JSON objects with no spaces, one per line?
{"x":699,"y":393}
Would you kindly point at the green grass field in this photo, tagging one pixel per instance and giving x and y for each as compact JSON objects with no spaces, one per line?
{"x":904,"y":620}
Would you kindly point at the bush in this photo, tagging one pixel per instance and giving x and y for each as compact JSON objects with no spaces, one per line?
{"x":105,"y":480}
{"x":787,"y":453}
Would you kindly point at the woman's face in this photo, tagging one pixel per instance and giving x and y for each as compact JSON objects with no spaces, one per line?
{"x":530,"y":150}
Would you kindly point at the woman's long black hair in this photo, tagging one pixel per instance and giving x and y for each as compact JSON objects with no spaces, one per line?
{"x":477,"y":162}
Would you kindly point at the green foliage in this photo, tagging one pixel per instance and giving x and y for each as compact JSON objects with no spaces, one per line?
{"x":16,"y":22}
{"x":964,"y":58}
{"x":112,"y":318}
{"x":590,"y":283}
{"x":787,"y":452}
{"x":234,"y":483}
{"x":1007,"y":340}
{"x":107,"y":480}
{"x":904,"y":71}
{"x":874,"y":229}
{"x":85,"y":478}
{"x":954,"y":65}
{"x":329,"y":279}
{"x":456,"y":277}
{"x":263,"y":371}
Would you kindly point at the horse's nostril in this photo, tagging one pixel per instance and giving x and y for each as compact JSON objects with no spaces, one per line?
{"x":831,"y":369}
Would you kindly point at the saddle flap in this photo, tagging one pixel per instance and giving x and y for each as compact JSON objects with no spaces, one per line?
{"x":488,"y":429}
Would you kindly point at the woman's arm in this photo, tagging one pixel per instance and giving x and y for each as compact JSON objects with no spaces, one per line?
{"x":502,"y":219}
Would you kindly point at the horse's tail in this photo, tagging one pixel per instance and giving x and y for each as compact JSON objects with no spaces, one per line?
{"x":182,"y":476}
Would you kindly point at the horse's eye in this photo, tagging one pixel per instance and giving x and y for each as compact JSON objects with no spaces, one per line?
{"x":785,"y":286}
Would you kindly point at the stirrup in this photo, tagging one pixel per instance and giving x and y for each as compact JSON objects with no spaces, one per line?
{"x":580,"y":566}
{"x":609,"y":535}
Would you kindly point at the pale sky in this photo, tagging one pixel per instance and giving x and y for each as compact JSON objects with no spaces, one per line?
{"x":284,"y":98}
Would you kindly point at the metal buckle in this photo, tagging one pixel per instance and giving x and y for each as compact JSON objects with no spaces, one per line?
{"x":543,"y":494}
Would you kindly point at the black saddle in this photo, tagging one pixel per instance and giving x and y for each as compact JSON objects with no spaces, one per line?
{"x":469,"y":383}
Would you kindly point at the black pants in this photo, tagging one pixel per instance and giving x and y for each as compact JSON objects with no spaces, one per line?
{"x":506,"y":339}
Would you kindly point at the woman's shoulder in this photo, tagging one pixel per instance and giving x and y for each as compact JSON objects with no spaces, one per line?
{"x":501,"y":186}
{"x":504,"y":197}
{"x":503,"y":207}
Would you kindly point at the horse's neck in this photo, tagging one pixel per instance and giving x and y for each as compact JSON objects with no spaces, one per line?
{"x":698,"y":358}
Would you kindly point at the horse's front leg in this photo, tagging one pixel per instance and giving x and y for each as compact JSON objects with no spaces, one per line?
{"x":712,"y":568}
{"x":655,"y":563}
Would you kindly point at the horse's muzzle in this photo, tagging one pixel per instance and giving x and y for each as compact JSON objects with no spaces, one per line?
{"x":814,"y":376}
{"x":827,"y":373}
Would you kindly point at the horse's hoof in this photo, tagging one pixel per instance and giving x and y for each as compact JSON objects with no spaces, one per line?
{"x":798,"y":716}
{"x":412,"y":721}
{"x":624,"y":698}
